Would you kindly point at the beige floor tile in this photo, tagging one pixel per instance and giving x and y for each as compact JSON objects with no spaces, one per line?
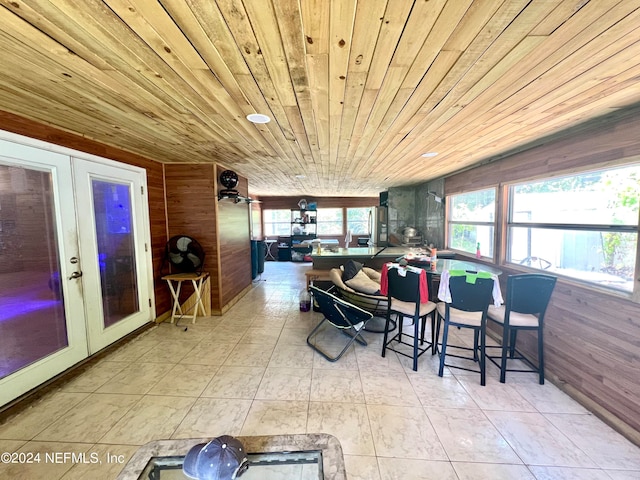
{"x":274,"y":417}
{"x":295,"y":335}
{"x":606,"y":447}
{"x":235,"y":382}
{"x":348,"y":361}
{"x":623,"y":474}
{"x":292,"y":356}
{"x":388,"y":388}
{"x":468,"y":436}
{"x":226,"y":334}
{"x":168,"y":352}
{"x":548,"y":398}
{"x":410,"y":469}
{"x":209,"y":353}
{"x":537,"y":441}
{"x":136,"y":378}
{"x":45,"y":460}
{"x":491,"y":471}
{"x":93,"y":377}
{"x":446,"y":391}
{"x":404,"y":432}
{"x":211,"y":417}
{"x":495,"y":395}
{"x":563,"y":473}
{"x":185,"y":380}
{"x":361,"y":467}
{"x":38,"y":416}
{"x":349,"y":423}
{"x":89,"y":420}
{"x":370,"y":360}
{"x":261,"y":335}
{"x":285,"y":384}
{"x":111,"y":461}
{"x":338,"y":386}
{"x":249,"y":355}
{"x":152,"y":418}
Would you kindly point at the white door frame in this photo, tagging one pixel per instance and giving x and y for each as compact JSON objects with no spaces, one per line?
{"x":30,"y":153}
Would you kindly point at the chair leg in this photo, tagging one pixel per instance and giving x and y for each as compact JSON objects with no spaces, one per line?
{"x":541,"y":356}
{"x":475,"y":344}
{"x":424,"y":324}
{"x":443,"y":354}
{"x":386,"y":333}
{"x":483,"y":345}
{"x":512,"y":343}
{"x":505,"y":346}
{"x":434,"y":339}
{"x":416,"y":327}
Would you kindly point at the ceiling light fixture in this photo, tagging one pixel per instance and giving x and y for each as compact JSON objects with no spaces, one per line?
{"x":258,"y":118}
{"x":429,"y":154}
{"x":301,"y":176}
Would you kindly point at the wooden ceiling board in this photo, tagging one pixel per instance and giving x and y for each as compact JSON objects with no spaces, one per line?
{"x":357,"y":90}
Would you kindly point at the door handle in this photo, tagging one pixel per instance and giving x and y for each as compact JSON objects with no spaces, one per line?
{"x":75,"y":275}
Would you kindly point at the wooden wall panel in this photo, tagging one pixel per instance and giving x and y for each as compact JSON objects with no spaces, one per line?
{"x":592,"y":337}
{"x":191,"y":210}
{"x":235,"y":246}
{"x":155,"y":184}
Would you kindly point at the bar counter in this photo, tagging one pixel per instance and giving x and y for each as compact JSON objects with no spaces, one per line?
{"x":373,"y":257}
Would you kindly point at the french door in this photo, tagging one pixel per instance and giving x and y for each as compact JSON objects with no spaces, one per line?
{"x":74,"y":273}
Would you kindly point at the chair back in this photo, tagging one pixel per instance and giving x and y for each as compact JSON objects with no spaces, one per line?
{"x":404,"y":288}
{"x":529,"y":293}
{"x":470,"y":295}
{"x":340,"y":313}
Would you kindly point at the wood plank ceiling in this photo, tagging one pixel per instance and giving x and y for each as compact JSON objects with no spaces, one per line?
{"x":357,"y":89}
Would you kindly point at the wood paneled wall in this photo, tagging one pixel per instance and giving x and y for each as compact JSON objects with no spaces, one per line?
{"x":235,"y":247}
{"x":592,"y":337}
{"x":155,"y":184}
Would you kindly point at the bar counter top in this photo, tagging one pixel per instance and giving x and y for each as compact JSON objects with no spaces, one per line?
{"x":373,"y":257}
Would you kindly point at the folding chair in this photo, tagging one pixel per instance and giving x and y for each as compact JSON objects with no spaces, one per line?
{"x":344,"y":316}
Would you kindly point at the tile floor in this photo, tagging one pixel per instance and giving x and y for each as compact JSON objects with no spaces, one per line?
{"x":250,"y":372}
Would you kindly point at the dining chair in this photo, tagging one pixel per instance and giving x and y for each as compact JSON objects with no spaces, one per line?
{"x":470,"y":296}
{"x":525,"y":305}
{"x":347,"y":318}
{"x":407,"y":297}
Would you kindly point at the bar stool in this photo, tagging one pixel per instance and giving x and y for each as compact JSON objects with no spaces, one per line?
{"x":407,"y":296}
{"x":527,"y":299}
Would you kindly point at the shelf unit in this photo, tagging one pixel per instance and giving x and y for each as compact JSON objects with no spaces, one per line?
{"x":303,"y":227}
{"x":304,"y":222}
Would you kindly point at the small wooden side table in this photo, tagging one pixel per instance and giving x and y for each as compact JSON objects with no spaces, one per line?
{"x":197,"y":280}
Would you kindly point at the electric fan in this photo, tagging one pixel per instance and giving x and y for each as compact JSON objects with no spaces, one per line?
{"x":185,"y":254}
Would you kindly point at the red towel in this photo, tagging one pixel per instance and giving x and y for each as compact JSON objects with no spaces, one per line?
{"x":423,"y":285}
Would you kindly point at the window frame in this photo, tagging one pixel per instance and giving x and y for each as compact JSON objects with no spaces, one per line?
{"x":320,"y":222}
{"x":286,"y":223}
{"x":508,"y":225}
{"x":492,"y":224}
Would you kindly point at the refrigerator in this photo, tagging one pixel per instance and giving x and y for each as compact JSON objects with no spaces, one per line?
{"x":379,"y":226}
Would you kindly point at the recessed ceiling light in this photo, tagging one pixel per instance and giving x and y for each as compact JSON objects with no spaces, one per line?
{"x":258,"y":118}
{"x":301,"y":176}
{"x":429,"y":154}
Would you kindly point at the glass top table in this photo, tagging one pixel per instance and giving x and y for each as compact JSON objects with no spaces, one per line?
{"x":276,"y":457}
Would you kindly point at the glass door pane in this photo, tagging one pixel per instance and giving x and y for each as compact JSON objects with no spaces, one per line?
{"x":32,"y":318}
{"x":116,"y":252}
{"x":114,"y":231}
